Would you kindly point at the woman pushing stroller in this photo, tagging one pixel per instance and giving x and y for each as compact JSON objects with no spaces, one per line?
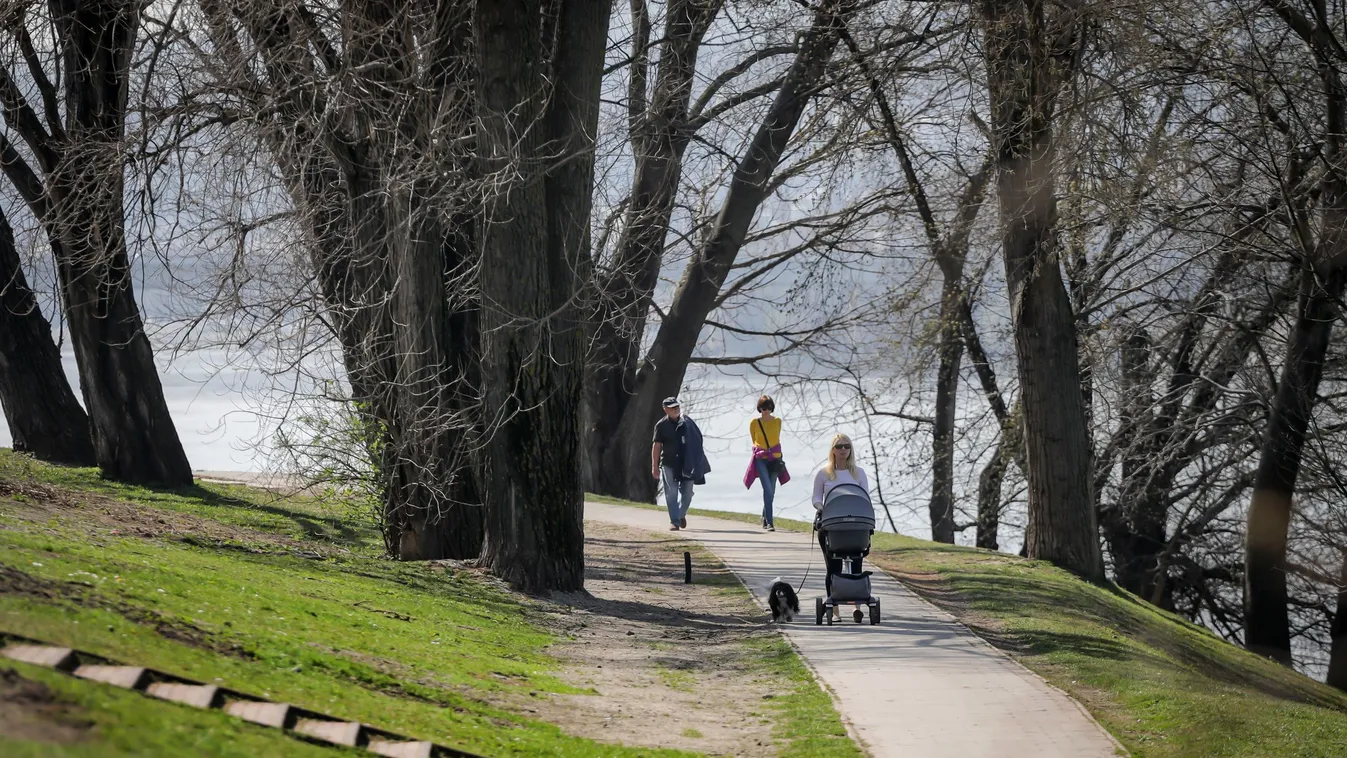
{"x":840,"y":469}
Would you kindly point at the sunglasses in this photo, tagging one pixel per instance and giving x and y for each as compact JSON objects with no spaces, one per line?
{"x":842,"y":447}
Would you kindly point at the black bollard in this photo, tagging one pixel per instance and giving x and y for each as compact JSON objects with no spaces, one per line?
{"x":687,"y":567}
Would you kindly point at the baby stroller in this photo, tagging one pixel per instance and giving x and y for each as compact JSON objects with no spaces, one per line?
{"x":846,"y":523}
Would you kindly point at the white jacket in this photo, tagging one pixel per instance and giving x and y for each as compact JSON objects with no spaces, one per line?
{"x":822,"y":484}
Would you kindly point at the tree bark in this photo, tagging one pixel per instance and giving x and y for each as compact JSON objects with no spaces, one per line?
{"x":133,"y":434}
{"x":661,"y":372}
{"x":44,"y":417}
{"x":535,"y":254}
{"x":659,"y":135}
{"x":1027,"y":56}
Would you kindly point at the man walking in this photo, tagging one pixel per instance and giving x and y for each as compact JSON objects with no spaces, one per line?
{"x":666,"y":464}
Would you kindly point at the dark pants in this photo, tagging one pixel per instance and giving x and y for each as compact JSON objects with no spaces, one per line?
{"x":834,"y":565}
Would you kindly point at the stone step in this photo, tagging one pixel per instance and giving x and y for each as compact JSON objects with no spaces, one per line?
{"x":130,"y":677}
{"x":391,"y":749}
{"x":336,"y":732}
{"x":195,"y":695}
{"x":266,"y":714}
{"x":62,"y":658}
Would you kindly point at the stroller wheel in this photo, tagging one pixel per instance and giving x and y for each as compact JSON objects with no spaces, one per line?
{"x":874,"y":613}
{"x":857,"y":615}
{"x":818,"y":611}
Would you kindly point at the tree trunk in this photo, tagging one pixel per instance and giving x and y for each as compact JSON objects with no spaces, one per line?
{"x":134,"y":437}
{"x":534,"y":257}
{"x":946,"y":404}
{"x":1337,"y":657}
{"x":662,"y":371}
{"x":1008,"y":448}
{"x":44,"y":417}
{"x":659,"y":137}
{"x":1025,"y":72}
{"x":1138,"y":536}
{"x":430,"y":507}
{"x":1267,"y":625}
{"x":1324,"y":279}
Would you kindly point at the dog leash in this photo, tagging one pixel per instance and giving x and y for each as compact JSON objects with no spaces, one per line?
{"x":811,"y":563}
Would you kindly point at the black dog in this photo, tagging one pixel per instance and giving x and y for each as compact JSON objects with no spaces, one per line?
{"x":782,"y":600}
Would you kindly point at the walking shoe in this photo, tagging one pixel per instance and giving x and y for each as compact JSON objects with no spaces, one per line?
{"x":683,"y":522}
{"x":771,"y":527}
{"x":673,"y":527}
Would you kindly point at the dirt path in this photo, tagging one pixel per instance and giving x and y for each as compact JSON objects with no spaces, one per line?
{"x":667,"y":662}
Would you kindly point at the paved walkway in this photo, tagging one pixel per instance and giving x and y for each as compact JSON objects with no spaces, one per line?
{"x":919,"y":685}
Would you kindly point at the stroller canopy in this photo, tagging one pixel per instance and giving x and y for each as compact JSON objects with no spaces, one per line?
{"x":847,"y":507}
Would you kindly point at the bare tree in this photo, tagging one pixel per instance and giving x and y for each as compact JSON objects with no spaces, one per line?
{"x":662,"y":369}
{"x":1323,"y":281}
{"x":76,"y":192}
{"x":1031,"y":49}
{"x":386,"y":199}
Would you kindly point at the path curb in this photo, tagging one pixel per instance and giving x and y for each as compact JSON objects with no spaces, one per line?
{"x":297,"y":722}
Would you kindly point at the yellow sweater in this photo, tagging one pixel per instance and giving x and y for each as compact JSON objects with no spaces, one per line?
{"x":773,"y":427}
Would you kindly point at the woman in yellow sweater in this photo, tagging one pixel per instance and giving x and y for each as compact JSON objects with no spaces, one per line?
{"x":767,"y":461}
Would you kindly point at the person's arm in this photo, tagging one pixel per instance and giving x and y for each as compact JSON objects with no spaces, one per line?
{"x":865,"y":484}
{"x":755,"y":434}
{"x":655,"y":448}
{"x":819,"y":478}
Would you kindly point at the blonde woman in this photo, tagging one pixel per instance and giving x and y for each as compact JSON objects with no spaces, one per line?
{"x":840,"y":469}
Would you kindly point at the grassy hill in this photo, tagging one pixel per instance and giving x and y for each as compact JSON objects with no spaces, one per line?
{"x":1161,"y":685}
{"x":285,"y":599}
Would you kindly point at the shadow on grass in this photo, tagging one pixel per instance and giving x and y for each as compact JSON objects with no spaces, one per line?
{"x":1058,"y":612}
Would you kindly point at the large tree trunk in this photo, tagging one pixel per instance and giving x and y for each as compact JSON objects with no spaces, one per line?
{"x":659,"y":137}
{"x":44,"y":417}
{"x":1337,"y":656}
{"x":430,"y":501}
{"x":387,"y":200}
{"x":133,"y":433}
{"x":535,"y":253}
{"x":1024,"y":54}
{"x":661,"y":372}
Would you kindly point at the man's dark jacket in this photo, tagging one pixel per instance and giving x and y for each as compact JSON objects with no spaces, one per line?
{"x":692,"y":453}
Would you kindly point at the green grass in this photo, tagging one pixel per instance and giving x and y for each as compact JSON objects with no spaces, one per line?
{"x":1162,"y":686}
{"x":412,"y":648}
{"x":289,"y":598}
{"x":805,"y":716}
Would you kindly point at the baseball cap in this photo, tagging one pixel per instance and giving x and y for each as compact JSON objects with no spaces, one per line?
{"x":671,"y":402}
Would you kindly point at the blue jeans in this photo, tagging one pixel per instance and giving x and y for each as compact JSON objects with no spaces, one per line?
{"x":768,"y":482}
{"x":677,"y":494}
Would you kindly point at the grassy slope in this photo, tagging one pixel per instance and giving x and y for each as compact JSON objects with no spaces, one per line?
{"x":1160,"y":685}
{"x":287,"y":601}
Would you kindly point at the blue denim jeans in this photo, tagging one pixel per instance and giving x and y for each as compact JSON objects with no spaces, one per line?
{"x":768,"y":482}
{"x":677,"y":494}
